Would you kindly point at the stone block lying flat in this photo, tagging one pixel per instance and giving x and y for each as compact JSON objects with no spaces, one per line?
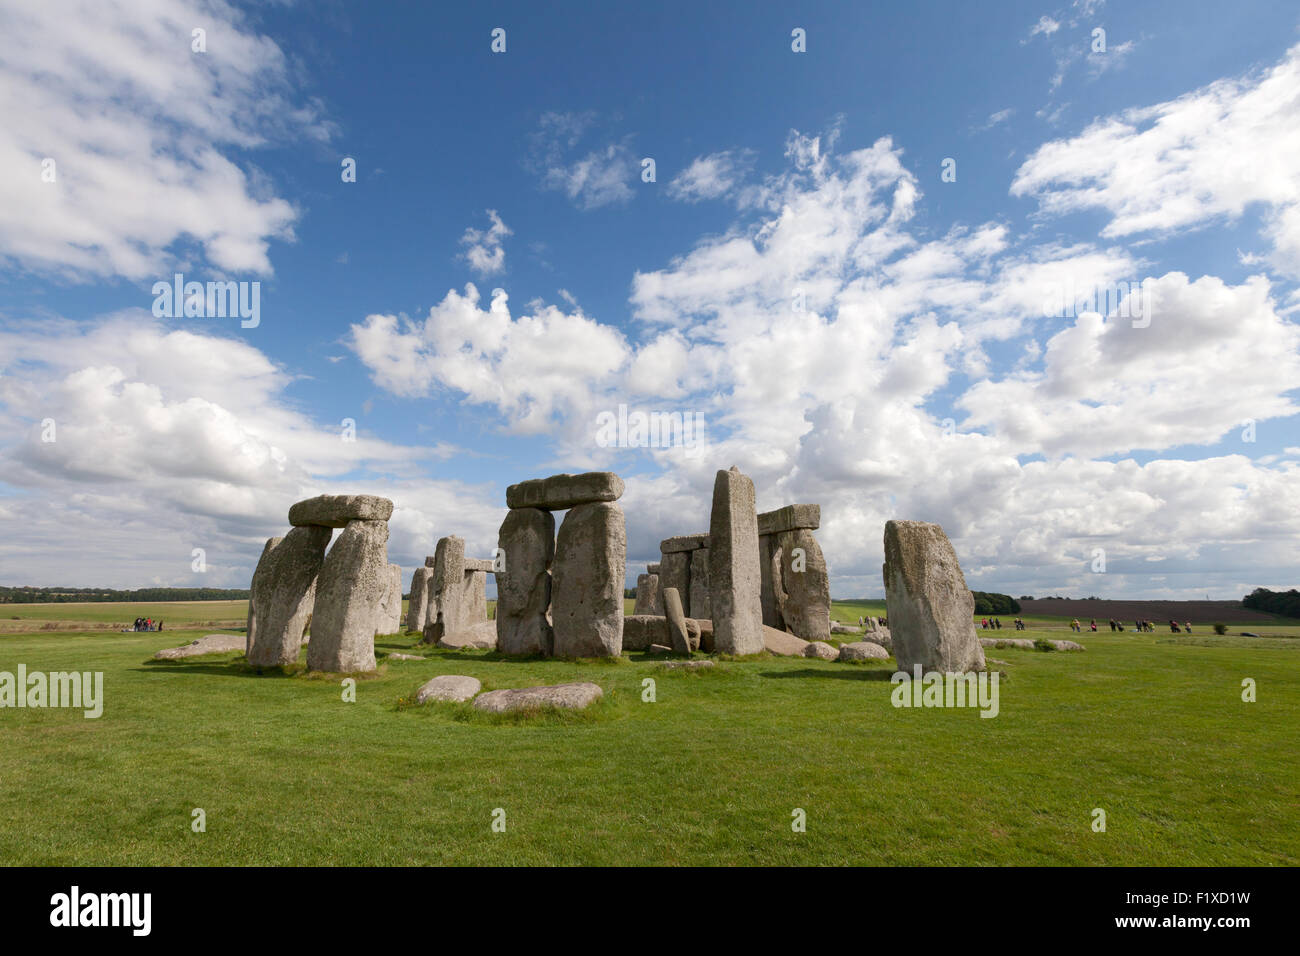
{"x":478,"y":564}
{"x":335,"y":511}
{"x":479,"y":637}
{"x":683,"y":542}
{"x":821,"y":649}
{"x":790,"y":518}
{"x":211,"y":644}
{"x":786,"y":645}
{"x":862,"y":651}
{"x":642,"y":630}
{"x":568,"y":696}
{"x":454,"y":687}
{"x":560,"y":492}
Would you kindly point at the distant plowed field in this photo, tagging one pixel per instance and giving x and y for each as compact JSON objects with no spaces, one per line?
{"x":1198,"y":612}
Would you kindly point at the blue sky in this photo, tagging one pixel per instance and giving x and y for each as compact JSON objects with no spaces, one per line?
{"x":923,"y":379}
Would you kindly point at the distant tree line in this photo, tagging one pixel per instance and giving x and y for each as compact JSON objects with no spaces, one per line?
{"x":30,"y":595}
{"x":1286,"y":603}
{"x":989,"y":602}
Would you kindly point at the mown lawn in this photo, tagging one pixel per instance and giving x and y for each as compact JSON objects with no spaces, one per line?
{"x":1153,"y":732}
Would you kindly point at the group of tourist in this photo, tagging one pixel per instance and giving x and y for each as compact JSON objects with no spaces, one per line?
{"x":1147,"y":626}
{"x":991,"y":624}
{"x":147,"y":624}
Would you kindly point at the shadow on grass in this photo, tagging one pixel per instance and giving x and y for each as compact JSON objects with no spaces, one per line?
{"x":848,"y":672}
{"x":239,"y":667}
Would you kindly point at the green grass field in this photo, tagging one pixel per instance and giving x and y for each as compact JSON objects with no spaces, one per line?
{"x":1147,"y":727}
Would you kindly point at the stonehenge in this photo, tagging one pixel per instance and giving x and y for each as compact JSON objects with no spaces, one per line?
{"x":796,"y":594}
{"x":348,"y":594}
{"x":455,"y":592}
{"x":577,"y":573}
{"x":931,"y":612}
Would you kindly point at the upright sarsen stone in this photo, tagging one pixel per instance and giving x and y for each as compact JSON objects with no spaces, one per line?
{"x":804,"y":590}
{"x":287,"y":592}
{"x":697,"y":604}
{"x":258,"y":591}
{"x":930,"y":609}
{"x":647,"y":595}
{"x":418,"y":609}
{"x":769,"y":569}
{"x":353,"y":583}
{"x":734,"y":581}
{"x":587,"y":592}
{"x":447,"y":587}
{"x":674,"y":572}
{"x":527,"y":545}
{"x":389,"y":620}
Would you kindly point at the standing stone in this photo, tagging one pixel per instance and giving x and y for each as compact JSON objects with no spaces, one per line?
{"x":674,"y":572}
{"x":698,"y":603}
{"x":473,"y":599}
{"x":418,"y":610}
{"x":769,"y":564}
{"x":677,"y":631}
{"x":389,"y":620}
{"x":590,"y":568}
{"x":930,"y":610}
{"x":527,"y":545}
{"x":258,"y":589}
{"x":647,"y":595}
{"x":805,"y":591}
{"x":290,"y":577}
{"x":447,"y":587}
{"x":353,"y":582}
{"x":734,"y":581}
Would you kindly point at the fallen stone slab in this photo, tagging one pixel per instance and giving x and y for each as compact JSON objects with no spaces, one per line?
{"x":453,"y":687}
{"x":209,"y":644}
{"x":477,"y":637}
{"x":686,"y":665}
{"x":838,"y":628}
{"x":862,"y":651}
{"x":683,"y":542}
{"x":642,"y":630}
{"x":678,"y":635}
{"x":1065,"y":645}
{"x":659,"y":649}
{"x":821,"y":649}
{"x":783,"y":644}
{"x":790,"y":518}
{"x":573,"y":696}
{"x":1021,"y":642}
{"x":335,"y":511}
{"x":561,"y":492}
{"x":406,"y":657}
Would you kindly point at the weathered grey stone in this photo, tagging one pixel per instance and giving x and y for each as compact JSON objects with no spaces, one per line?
{"x":389,"y":619}
{"x":652,"y":569}
{"x":642,"y":630}
{"x":686,"y":665}
{"x":692,"y":634}
{"x":1022,"y":642}
{"x":705,"y":628}
{"x":210,"y":644}
{"x":678,"y":637}
{"x":804,"y":594}
{"x":473,"y":601}
{"x":483,"y":565}
{"x":258,"y":592}
{"x":674,"y":572}
{"x":406,"y":657}
{"x":418,"y":610}
{"x":734,"y":581}
{"x":863,"y":651}
{"x":587,"y":587}
{"x":291,"y":577}
{"x":452,"y":687}
{"x":698,"y":604}
{"x":790,"y":518}
{"x":479,"y":637}
{"x":783,"y":643}
{"x":838,"y":628}
{"x":452,"y":599}
{"x":769,"y":572}
{"x":527,"y":545}
{"x":683,"y":542}
{"x":573,"y":696}
{"x":647,"y":595}
{"x":821,"y":649}
{"x":560,"y":492}
{"x":430,"y":560}
{"x":335,"y":511}
{"x":659,"y":649}
{"x":352,"y":583}
{"x":930,"y":609}
{"x":1066,"y":645}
